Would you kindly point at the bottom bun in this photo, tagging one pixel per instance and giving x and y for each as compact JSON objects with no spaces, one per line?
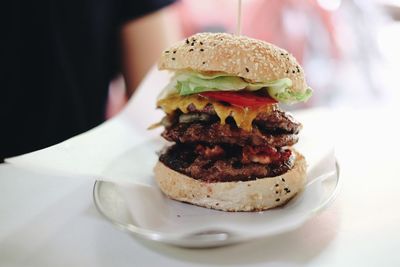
{"x":256,"y":195}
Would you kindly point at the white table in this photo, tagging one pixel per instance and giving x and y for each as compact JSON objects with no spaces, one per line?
{"x":51,"y":221}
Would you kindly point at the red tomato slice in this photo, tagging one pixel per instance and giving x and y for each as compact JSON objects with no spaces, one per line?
{"x":241,"y":99}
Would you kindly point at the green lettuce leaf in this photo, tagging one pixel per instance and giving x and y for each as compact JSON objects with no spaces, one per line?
{"x":187,"y":83}
{"x":286,"y":96}
{"x":195,"y":85}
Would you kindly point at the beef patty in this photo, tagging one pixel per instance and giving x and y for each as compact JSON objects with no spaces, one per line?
{"x":210,"y":151}
{"x":225,"y":167}
{"x":216,"y":133}
{"x":277,"y":119}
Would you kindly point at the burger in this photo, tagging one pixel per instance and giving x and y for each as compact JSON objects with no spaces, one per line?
{"x":231,"y":142}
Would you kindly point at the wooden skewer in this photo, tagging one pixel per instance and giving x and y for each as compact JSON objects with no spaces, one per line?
{"x":239,"y":18}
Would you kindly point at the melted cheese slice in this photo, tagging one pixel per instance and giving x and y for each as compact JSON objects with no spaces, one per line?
{"x":243,"y":116}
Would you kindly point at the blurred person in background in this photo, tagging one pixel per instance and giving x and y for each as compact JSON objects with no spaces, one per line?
{"x":59,"y":58}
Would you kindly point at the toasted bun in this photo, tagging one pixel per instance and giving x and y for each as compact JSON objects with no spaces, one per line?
{"x":256,"y":195}
{"x":252,"y":59}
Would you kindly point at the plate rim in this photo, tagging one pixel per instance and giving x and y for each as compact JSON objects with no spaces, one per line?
{"x":210,"y":239}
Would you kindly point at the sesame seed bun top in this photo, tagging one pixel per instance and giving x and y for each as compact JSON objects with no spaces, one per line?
{"x":252,"y":59}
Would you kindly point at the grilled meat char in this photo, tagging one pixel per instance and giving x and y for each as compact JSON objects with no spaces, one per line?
{"x":216,"y":133}
{"x":210,"y":151}
{"x":277,"y":119}
{"x":225,"y":167}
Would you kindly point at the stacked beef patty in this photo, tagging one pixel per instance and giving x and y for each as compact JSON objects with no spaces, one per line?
{"x":209,"y":151}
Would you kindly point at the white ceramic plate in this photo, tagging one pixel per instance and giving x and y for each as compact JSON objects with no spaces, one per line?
{"x":141,"y":208}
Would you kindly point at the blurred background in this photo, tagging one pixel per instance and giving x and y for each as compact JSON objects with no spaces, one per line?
{"x":69,"y":65}
{"x":348,"y":48}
